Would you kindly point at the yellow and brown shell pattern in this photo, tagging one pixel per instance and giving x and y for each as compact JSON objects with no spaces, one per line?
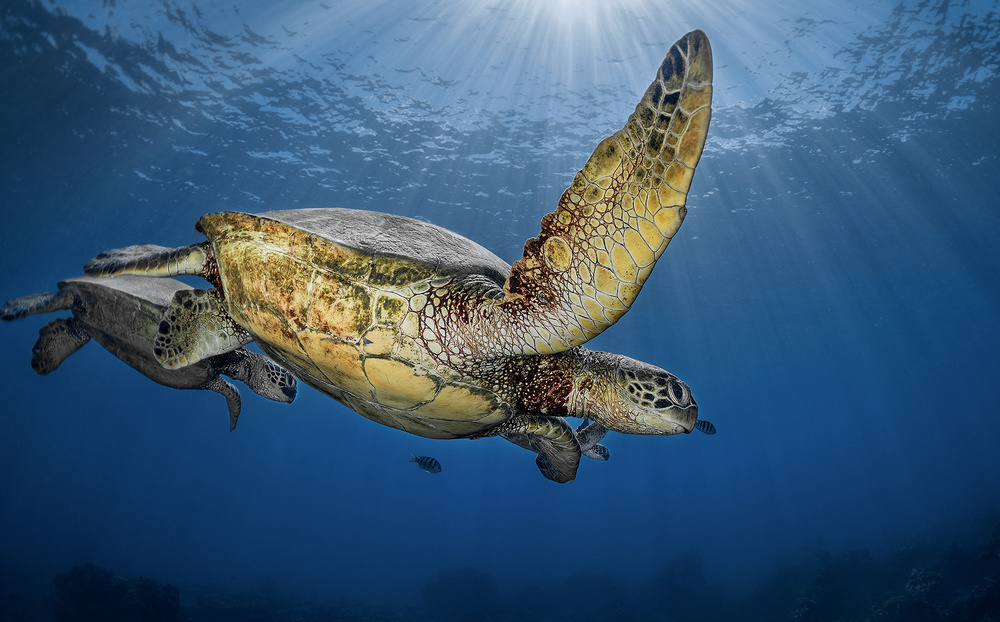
{"x":355,"y":324}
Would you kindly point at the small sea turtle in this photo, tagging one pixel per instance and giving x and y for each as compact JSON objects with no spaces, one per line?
{"x":421,"y":329}
{"x":123,"y":314}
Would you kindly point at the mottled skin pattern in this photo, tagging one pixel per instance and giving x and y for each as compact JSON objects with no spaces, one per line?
{"x":423,"y":330}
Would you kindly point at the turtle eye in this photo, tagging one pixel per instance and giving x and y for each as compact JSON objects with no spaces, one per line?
{"x":680,"y":393}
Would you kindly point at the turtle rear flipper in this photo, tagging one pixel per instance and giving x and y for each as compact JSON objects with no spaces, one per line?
{"x":150,"y":260}
{"x":195,"y":327}
{"x":36,"y":303}
{"x":552,"y":438}
{"x":232,"y":395}
{"x":264,"y":377}
{"x":57,"y":340}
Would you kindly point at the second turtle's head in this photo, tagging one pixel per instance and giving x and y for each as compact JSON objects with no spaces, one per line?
{"x":632,"y":397}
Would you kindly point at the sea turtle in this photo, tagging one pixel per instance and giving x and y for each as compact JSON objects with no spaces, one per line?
{"x":421,"y":329}
{"x":123,"y":314}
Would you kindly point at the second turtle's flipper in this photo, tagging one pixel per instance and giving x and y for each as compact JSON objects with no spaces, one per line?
{"x":195,"y":327}
{"x":150,"y":260}
{"x":57,"y":340}
{"x":264,"y":377}
{"x":36,"y":303}
{"x":552,"y":438}
{"x":232,"y":395}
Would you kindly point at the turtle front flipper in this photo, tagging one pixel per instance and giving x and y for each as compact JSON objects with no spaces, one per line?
{"x":57,"y":340}
{"x":593,"y":254}
{"x":195,"y":327}
{"x":232,"y":395}
{"x":552,"y":438}
{"x":264,"y":377}
{"x":150,"y":260}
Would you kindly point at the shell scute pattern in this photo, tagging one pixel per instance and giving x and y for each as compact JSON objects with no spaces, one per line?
{"x":390,"y":307}
{"x":400,"y":384}
{"x":347,"y":308}
{"x":480,"y":405}
{"x":391,"y":273}
{"x":366,"y":330}
{"x":380,"y":341}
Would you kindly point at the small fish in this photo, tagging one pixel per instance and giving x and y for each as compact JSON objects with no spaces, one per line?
{"x":704,"y":426}
{"x":427,"y":463}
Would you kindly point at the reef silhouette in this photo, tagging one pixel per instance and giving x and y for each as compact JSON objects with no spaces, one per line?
{"x":91,"y":593}
{"x":920,"y":583}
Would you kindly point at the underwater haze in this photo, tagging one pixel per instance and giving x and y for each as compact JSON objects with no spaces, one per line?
{"x":831,"y":300}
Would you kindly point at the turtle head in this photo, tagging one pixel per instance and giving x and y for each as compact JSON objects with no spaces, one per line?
{"x":632,"y":397}
{"x":265,"y":377}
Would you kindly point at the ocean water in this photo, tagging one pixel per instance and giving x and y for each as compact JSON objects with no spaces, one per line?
{"x":831,"y":300}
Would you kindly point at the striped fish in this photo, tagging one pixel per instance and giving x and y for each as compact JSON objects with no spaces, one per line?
{"x":705,"y":426}
{"x":427,"y":463}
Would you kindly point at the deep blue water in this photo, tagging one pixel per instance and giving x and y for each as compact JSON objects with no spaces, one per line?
{"x":831,"y":299}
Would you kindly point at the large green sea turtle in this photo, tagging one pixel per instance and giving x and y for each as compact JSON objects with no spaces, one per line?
{"x":421,"y":329}
{"x":123,"y":314}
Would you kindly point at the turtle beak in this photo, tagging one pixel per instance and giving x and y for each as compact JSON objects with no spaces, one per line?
{"x":673,"y":419}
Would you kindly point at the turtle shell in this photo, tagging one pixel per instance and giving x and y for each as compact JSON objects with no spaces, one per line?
{"x":122,"y":313}
{"x":339,"y":296}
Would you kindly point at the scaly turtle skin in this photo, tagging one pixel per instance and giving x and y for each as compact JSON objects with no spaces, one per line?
{"x":420,"y":329}
{"x":123,"y":314}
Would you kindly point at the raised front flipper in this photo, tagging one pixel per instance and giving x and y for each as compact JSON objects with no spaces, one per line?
{"x":552,"y":438}
{"x":57,"y":340}
{"x":593,"y":254}
{"x":195,"y":327}
{"x":265,"y":377}
{"x":36,"y":303}
{"x":232,"y":395}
